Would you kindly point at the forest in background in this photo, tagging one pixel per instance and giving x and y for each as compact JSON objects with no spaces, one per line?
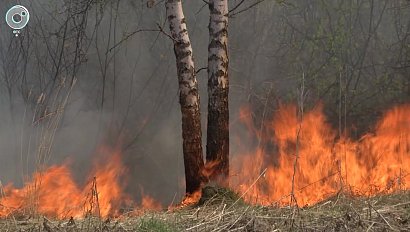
{"x":354,"y":57}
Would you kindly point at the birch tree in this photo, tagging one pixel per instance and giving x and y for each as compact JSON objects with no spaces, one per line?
{"x":188,"y":96}
{"x":218,"y":89}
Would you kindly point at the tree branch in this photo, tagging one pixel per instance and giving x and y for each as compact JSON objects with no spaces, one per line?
{"x":160,"y":29}
{"x":236,"y":7}
{"x":245,"y":9}
{"x":197,"y":71}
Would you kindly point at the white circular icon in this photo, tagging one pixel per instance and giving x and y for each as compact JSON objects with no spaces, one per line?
{"x":17,"y":17}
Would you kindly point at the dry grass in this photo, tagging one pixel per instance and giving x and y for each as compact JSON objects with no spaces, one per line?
{"x":222,"y":212}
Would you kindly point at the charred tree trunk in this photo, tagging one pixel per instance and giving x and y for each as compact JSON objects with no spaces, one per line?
{"x":217,"y":148}
{"x":188,"y":97}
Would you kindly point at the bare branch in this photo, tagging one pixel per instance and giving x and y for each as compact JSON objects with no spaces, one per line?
{"x":245,"y":9}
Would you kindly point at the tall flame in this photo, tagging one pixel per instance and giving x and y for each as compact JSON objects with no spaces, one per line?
{"x":377,"y":163}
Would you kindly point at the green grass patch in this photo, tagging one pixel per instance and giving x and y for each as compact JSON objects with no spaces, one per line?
{"x":156,"y":225}
{"x":219,"y":195}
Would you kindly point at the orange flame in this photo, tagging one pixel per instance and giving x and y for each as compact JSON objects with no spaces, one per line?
{"x":377,"y":163}
{"x":54,"y":192}
{"x":57,"y":195}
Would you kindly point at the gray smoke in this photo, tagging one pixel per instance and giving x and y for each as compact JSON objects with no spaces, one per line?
{"x":271,"y":46}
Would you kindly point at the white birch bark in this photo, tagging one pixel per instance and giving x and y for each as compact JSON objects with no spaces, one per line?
{"x":189,"y":98}
{"x":218,"y":89}
{"x":218,"y":43}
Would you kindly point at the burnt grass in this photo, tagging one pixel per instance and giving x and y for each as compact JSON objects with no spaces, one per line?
{"x":223,"y":210}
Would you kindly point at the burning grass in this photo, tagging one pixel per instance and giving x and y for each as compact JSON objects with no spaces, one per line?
{"x":339,"y":213}
{"x":377,"y":163}
{"x":337,"y":184}
{"x":54,"y":193}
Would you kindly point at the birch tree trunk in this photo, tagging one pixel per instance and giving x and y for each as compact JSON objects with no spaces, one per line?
{"x":188,"y":97}
{"x":218,"y":89}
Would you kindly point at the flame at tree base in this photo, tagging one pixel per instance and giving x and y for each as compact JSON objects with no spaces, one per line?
{"x":378,"y":163}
